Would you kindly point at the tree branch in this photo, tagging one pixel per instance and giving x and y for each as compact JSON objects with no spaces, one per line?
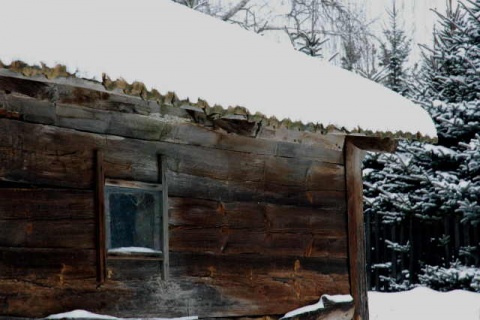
{"x":230,"y":13}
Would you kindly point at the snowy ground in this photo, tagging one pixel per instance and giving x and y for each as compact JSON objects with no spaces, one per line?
{"x":416,"y":304}
{"x":82,"y":314}
{"x":424,"y":303}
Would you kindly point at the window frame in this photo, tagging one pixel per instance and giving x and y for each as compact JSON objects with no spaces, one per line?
{"x":158,"y":217}
{"x":101,"y":242}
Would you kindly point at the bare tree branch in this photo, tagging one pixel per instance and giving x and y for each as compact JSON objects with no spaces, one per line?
{"x":230,"y":13}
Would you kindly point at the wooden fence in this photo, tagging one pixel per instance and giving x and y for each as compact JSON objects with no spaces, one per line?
{"x":397,"y":252}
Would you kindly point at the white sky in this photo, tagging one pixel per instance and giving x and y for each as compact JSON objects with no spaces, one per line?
{"x":418,"y":18}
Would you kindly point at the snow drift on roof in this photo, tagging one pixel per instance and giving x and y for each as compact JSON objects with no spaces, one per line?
{"x":172,"y":48}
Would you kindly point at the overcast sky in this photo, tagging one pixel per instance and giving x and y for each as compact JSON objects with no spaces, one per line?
{"x":419,"y":18}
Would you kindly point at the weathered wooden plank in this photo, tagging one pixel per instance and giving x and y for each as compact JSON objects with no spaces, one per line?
{"x":37,"y":299}
{"x":162,"y":170}
{"x":265,"y":282}
{"x":184,"y":185}
{"x":308,"y":174}
{"x":100,"y":227}
{"x":228,"y":165}
{"x":45,"y":155}
{"x":356,"y":231}
{"x":48,"y":234}
{"x":130,"y":159}
{"x":80,"y":118}
{"x":326,"y":222}
{"x":374,"y":144}
{"x":23,"y":257}
{"x":54,"y":159}
{"x":330,"y":152}
{"x":133,"y":184}
{"x":216,"y":164}
{"x":33,"y":205}
{"x":102,"y":112}
{"x":40,"y":90}
{"x":74,"y":92}
{"x":46,"y":266}
{"x":191,"y":212}
{"x":104,"y":100}
{"x":132,"y":269}
{"x":202,"y":136}
{"x":195,"y":212}
{"x":30,"y":109}
{"x":228,"y":241}
{"x":205,"y":285}
{"x":280,"y":133}
{"x":42,"y":218}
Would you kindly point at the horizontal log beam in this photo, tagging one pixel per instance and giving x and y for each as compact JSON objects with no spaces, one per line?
{"x":374,"y":144}
{"x":95,"y":110}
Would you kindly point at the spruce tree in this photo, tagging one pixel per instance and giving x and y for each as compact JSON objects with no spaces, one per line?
{"x":394,"y":52}
{"x":427,"y":195}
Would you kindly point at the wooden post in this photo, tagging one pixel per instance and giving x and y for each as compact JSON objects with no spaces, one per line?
{"x":100,"y":217}
{"x":165,"y":218}
{"x":356,"y":230}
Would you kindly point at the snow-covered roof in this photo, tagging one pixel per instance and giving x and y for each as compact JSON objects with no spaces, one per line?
{"x":172,"y":48}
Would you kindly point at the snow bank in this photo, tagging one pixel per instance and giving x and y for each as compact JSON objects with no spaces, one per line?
{"x":82,"y":314}
{"x":172,"y":48}
{"x":423,"y":303}
{"x":79,"y":314}
{"x":319,"y":305}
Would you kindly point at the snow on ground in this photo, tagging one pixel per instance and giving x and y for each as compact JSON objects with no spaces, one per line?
{"x":319,"y":304}
{"x":424,"y":303}
{"x":82,"y":314}
{"x":173,"y":48}
{"x":79,"y":314}
{"x":417,"y":304}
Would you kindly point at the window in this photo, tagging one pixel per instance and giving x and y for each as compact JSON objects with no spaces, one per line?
{"x":131,"y":225}
{"x":136,"y":224}
{"x":134,"y":219}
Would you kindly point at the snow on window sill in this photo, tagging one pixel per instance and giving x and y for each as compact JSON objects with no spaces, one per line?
{"x":134,"y":252}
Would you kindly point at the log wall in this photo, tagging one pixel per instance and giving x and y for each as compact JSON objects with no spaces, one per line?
{"x":257,"y":225}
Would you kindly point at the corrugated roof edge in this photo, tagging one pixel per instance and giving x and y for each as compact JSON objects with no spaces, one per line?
{"x":139,"y":89}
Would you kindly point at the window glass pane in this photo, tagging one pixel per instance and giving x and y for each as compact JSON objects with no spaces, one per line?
{"x":133,"y":218}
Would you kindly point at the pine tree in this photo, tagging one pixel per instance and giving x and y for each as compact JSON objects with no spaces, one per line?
{"x":433,"y":191}
{"x":394,"y":52}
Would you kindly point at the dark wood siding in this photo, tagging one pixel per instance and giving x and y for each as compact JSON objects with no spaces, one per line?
{"x":257,"y":225}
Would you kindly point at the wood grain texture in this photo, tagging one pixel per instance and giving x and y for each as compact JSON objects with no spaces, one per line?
{"x":356,"y":230}
{"x":185,"y":185}
{"x":274,"y":285}
{"x":102,"y":112}
{"x":203,"y":285}
{"x":47,"y":266}
{"x":46,"y":218}
{"x":257,"y":226}
{"x":44,"y":155}
{"x":374,"y":144}
{"x":100,"y":230}
{"x":162,"y":169}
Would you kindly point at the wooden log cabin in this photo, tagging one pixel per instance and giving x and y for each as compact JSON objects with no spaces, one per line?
{"x":124,"y":201}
